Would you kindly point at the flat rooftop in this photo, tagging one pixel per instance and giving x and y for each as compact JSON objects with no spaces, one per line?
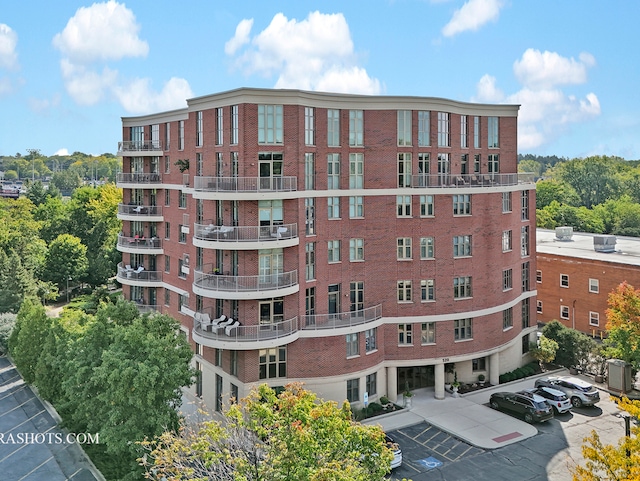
{"x":626,"y":249}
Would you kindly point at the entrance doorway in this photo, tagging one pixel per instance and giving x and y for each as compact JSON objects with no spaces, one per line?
{"x":415,"y":377}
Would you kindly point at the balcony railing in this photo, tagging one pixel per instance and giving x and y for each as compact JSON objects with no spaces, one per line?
{"x":245,"y":184}
{"x":470,"y":180}
{"x":138,"y":242}
{"x":206,"y":279}
{"x":262,"y":332}
{"x":139,"y":146}
{"x":221,"y":233}
{"x":342,"y":319}
{"x":141,"y":210}
{"x":138,"y":178}
{"x":147,"y":308}
{"x":138,"y":273}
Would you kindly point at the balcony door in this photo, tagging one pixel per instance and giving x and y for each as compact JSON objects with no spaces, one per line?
{"x":271,"y":313}
{"x":270,"y":170}
{"x":334,"y":300}
{"x":270,"y":266}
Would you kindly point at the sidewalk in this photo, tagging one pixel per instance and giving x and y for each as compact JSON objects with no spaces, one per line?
{"x":468,"y":418}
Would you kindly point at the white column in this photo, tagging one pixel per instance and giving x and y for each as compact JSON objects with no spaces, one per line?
{"x":392,"y":384}
{"x":494,"y":369}
{"x":439,"y":380}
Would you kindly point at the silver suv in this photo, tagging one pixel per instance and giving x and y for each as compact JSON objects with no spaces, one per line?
{"x":580,"y":392}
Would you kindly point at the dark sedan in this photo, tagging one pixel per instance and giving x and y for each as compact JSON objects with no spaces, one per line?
{"x":532,"y":409}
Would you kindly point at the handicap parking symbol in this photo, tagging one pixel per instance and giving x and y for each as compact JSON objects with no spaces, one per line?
{"x":430,"y":462}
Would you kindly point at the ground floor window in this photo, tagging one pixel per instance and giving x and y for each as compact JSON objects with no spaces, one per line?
{"x":353,"y":390}
{"x":273,"y":362}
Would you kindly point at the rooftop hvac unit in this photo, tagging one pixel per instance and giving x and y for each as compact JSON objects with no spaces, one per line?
{"x":564,"y":233}
{"x":604,"y":243}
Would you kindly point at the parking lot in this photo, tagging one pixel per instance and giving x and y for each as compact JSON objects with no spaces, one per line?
{"x":432,"y":454}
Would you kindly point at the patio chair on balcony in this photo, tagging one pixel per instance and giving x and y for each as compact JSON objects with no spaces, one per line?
{"x":231,"y":327}
{"x":219,"y":327}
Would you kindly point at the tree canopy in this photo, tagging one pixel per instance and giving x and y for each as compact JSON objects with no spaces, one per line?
{"x":623,"y":325}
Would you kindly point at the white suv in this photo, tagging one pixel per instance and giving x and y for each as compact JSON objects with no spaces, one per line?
{"x":555,"y":398}
{"x":580,"y":392}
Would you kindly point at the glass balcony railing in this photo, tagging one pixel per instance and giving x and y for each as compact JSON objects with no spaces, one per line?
{"x":245,"y":184}
{"x":220,"y":233}
{"x":205,"y":278}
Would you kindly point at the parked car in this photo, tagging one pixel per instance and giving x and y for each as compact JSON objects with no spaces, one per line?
{"x":397,"y":452}
{"x":531,"y":408}
{"x":581,"y":393}
{"x":558,"y":400}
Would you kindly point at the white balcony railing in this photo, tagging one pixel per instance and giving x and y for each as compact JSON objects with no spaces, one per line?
{"x":138,"y":178}
{"x":211,"y":232}
{"x":470,"y":180}
{"x":206,"y":279}
{"x":139,"y":210}
{"x":262,"y":332}
{"x":342,"y":319}
{"x":245,"y":184}
{"x":138,"y":273}
{"x":139,"y":242}
{"x":139,"y":146}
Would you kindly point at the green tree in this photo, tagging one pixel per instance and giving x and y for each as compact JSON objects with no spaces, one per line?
{"x":623,"y":325}
{"x":66,"y":181}
{"x":16,"y":282}
{"x":66,"y":259}
{"x":593,"y":178}
{"x":530,"y":165}
{"x":269,"y":436}
{"x":28,"y":336}
{"x":550,"y":190}
{"x":7,"y":323}
{"x":53,"y":215}
{"x":574,"y":347}
{"x":545,"y":352}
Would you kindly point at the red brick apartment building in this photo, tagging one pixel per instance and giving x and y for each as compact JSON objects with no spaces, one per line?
{"x":577,"y":271}
{"x":359,"y":243}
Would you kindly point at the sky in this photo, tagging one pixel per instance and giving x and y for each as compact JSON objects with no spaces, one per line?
{"x":71,"y":69}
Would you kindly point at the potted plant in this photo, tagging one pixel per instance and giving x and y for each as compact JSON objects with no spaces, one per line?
{"x":481,"y":378}
{"x":455,"y":385}
{"x":182,"y":164}
{"x":407,"y":395}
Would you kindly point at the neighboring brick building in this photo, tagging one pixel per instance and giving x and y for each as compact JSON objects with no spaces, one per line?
{"x":362,"y":242}
{"x":577,"y":271}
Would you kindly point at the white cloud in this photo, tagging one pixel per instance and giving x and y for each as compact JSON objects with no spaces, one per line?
{"x":8,"y":43}
{"x":61,"y":152}
{"x":43,"y":105}
{"x":138,"y":97}
{"x":103,"y":31}
{"x":546,"y":111}
{"x":472,"y":15}
{"x":316,"y":53}
{"x":547,"y":69}
{"x":240,"y":38}
{"x":85,"y":86}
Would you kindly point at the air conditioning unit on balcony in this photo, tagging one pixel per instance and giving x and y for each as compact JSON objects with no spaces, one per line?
{"x":184,"y":268}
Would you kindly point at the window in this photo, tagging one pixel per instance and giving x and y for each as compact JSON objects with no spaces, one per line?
{"x":356,"y":206}
{"x":525,"y":277}
{"x":356,"y":171}
{"x":167,"y":297}
{"x":333,"y":128}
{"x":371,"y":339}
{"x":181,"y":274}
{"x":462,"y":204}
{"x":167,"y":136}
{"x":479,"y":364}
{"x":539,"y":307}
{"x":333,"y":171}
{"x":219,"y":164}
{"x":506,"y":241}
{"x":539,"y":276}
{"x":309,"y":126}
{"x":462,"y":329}
{"x":404,"y":291}
{"x":167,"y":263}
{"x":476,"y":163}
{"x":464,"y":164}
{"x":493,"y":133}
{"x":333,"y":251}
{"x":167,"y":197}
{"x":462,"y":246}
{"x":423,"y":128}
{"x":356,"y":128}
{"x":353,"y":390}
{"x":404,"y":334}
{"x":199,"y":163}
{"x":219,"y":126}
{"x":404,"y":169}
{"x":564,"y":312}
{"x":594,"y":285}
{"x":464,"y":135}
{"x":273,"y":363}
{"x":199,"y":130}
{"x":234,"y":125}
{"x":493,"y":163}
{"x":404,"y":248}
{"x":424,"y":168}
{"x":526,"y":312}
{"x":310,"y":261}
{"x":372,"y":384}
{"x":444,"y":139}
{"x":403,"y":206}
{"x":167,"y":164}
{"x":506,"y":202}
{"x":427,"y":248}
{"x":564,"y":280}
{"x":270,"y":124}
{"x":524,"y":202}
{"x":310,"y":215}
{"x":309,"y":171}
{"x":233,"y":369}
{"x":426,"y":206}
{"x":333,"y":204}
{"x":476,"y":132}
{"x":353,"y":345}
{"x":507,"y":279}
{"x":507,"y":318}
{"x":181,"y":135}
{"x":525,"y":344}
{"x":356,"y":250}
{"x":461,"y":287}
{"x":167,"y":230}
{"x":524,"y":240}
{"x":428,"y":333}
{"x":182,"y":200}
{"x":594,"y":318}
{"x":218,"y":358}
{"x":427,"y":290}
{"x":182,"y":235}
{"x":218,"y":401}
{"x":404,"y":127}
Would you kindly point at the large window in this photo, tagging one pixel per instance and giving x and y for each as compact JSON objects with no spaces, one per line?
{"x":525,"y":312}
{"x":333,"y":171}
{"x":507,"y":244}
{"x":371,"y":339}
{"x":461,"y":287}
{"x":404,"y":127}
{"x":310,"y":261}
{"x":462,"y":204}
{"x":424,"y":128}
{"x":333,"y":128}
{"x":461,"y":246}
{"x":427,"y":248}
{"x":424,"y":169}
{"x":333,"y":250}
{"x":310,"y":215}
{"x":506,"y":202}
{"x":493,"y":163}
{"x":462,"y":329}
{"x":444,"y":136}
{"x":309,"y":126}
{"x":234,"y":125}
{"x":404,"y":291}
{"x":404,"y":334}
{"x":507,"y":279}
{"x":403,"y":206}
{"x":404,"y":248}
{"x":524,"y":202}
{"x":525,"y":277}
{"x":333,"y":207}
{"x":464,"y":134}
{"x":273,"y":363}
{"x":180,"y":134}
{"x":427,"y":207}
{"x":493,"y":132}
{"x":372,"y":384}
{"x":524,"y":240}
{"x":219,"y":126}
{"x":404,"y":169}
{"x":476,"y":132}
{"x":353,"y":390}
{"x":270,"y":124}
{"x":356,"y":249}
{"x":428,"y":333}
{"x":356,"y":128}
{"x":427,"y":290}
{"x":356,"y":171}
{"x":353,"y":344}
{"x":199,"y":129}
{"x":356,"y":206}
{"x":309,"y":171}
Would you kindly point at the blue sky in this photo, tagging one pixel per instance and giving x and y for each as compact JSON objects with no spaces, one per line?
{"x":70,"y":69}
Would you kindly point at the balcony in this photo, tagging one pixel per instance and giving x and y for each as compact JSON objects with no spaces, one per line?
{"x":140,"y":147}
{"x":222,"y":237}
{"x":209,"y":284}
{"x":138,"y":180}
{"x":147,"y":308}
{"x":246,"y":337}
{"x":470,"y":180}
{"x":139,"y":244}
{"x":244,"y":188}
{"x":339,"y":320}
{"x":148,"y":213}
{"x":138,"y":276}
